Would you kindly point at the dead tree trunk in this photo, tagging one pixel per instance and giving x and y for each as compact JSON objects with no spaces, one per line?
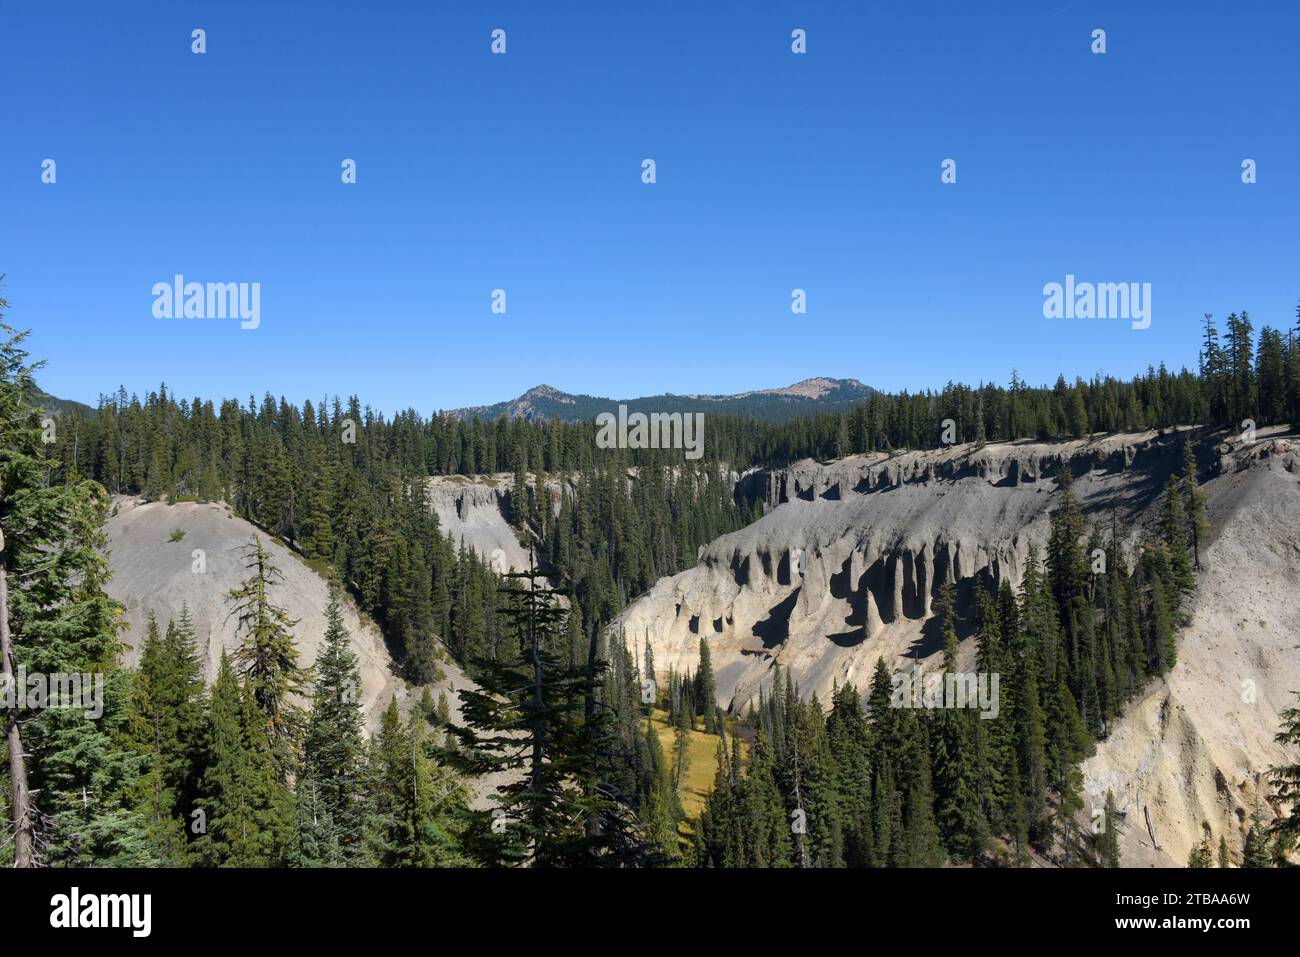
{"x":1151,"y":828}
{"x":17,"y":760}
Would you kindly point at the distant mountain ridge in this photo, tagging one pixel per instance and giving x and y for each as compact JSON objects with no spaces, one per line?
{"x":544,"y":402}
{"x":56,"y":406}
{"x":808,"y":397}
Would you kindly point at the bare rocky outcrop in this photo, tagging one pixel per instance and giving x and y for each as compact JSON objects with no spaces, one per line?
{"x":1192,"y":749}
{"x":152,"y":573}
{"x":473,"y":511}
{"x":846,"y":563}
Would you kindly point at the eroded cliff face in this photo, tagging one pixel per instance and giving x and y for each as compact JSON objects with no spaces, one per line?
{"x":152,"y":573}
{"x":846,"y":565}
{"x":1192,"y":749}
{"x":473,"y":511}
{"x":1003,"y":464}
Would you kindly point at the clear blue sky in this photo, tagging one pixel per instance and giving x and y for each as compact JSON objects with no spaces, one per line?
{"x":522,"y":171}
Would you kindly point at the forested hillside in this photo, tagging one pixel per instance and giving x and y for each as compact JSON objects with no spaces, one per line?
{"x":344,"y":484}
{"x":270,"y":767}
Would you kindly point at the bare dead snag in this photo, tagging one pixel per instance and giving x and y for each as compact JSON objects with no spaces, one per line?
{"x":22,"y":817}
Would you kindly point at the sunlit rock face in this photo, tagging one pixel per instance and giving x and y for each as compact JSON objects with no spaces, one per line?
{"x":846,"y":564}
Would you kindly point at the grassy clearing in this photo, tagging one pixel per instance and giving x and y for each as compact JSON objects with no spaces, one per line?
{"x":701,"y":766}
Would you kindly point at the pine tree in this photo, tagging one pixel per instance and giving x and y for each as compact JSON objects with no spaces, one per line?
{"x":945,"y":614}
{"x":955,"y":752}
{"x":1201,"y":855}
{"x":662,"y":808}
{"x":850,"y":743}
{"x":718,"y":842}
{"x":1293,"y":370}
{"x":1068,"y":744}
{"x":1271,"y":375}
{"x":1026,"y":705}
{"x":1213,"y":373}
{"x":1194,"y":505}
{"x":1242,"y":393}
{"x":181,"y":701}
{"x":1257,"y":852}
{"x":885,"y":725}
{"x":1068,"y":575}
{"x":887,"y":819}
{"x":682,"y":729}
{"x":165,"y":830}
{"x":333,"y":749}
{"x":1108,"y":854}
{"x":74,"y":778}
{"x":1174,"y":532}
{"x":706,"y":693}
{"x":1078,"y":413}
{"x":1159,"y":617}
{"x":268,"y":658}
{"x":1017,"y":813}
{"x":768,"y":836}
{"x":960,"y":817}
{"x":245,"y":816}
{"x":536,"y":716}
{"x":921,"y":845}
{"x":89,"y":779}
{"x":319,"y":539}
{"x":165,"y":721}
{"x":650,"y":690}
{"x":317,"y":843}
{"x":817,"y":787}
{"x":420,"y":806}
{"x":519,"y":494}
{"x":1286,"y":780}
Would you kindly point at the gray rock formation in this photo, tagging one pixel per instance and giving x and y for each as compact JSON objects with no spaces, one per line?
{"x":473,"y":512}
{"x":845,"y":565}
{"x":1193,"y":747}
{"x":153,"y":573}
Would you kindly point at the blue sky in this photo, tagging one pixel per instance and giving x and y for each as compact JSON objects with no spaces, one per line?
{"x":775,"y":171}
